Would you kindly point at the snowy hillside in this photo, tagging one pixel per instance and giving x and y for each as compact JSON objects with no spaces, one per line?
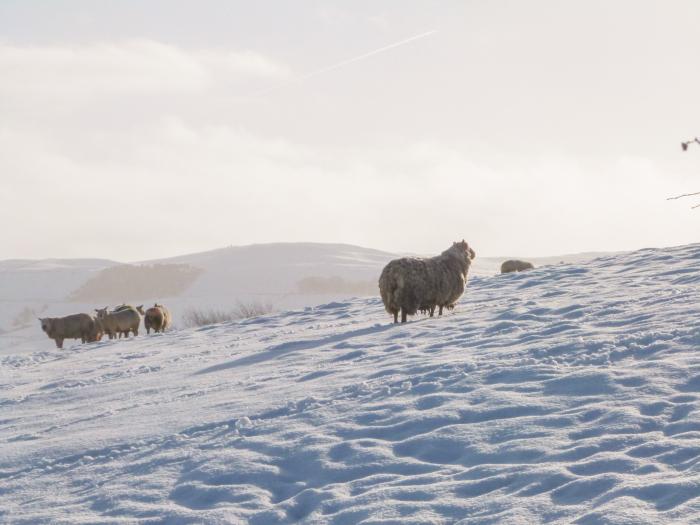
{"x":261,"y":273}
{"x":271,"y":273}
{"x":568,"y":394}
{"x":265,"y":273}
{"x":47,"y":279}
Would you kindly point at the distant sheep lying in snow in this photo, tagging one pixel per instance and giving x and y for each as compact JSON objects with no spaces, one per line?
{"x":411,"y":284}
{"x":515,"y":265}
{"x":76,"y":326}
{"x":156,"y":317}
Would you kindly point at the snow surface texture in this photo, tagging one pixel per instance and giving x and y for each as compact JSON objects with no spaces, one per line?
{"x":567,"y":394}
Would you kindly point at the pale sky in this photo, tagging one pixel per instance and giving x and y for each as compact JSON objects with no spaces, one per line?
{"x":141,"y":129}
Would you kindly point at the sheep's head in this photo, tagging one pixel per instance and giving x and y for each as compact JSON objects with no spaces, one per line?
{"x":101,"y":312}
{"x":462,"y":250}
{"x":45,"y":324}
{"x":97,"y":330}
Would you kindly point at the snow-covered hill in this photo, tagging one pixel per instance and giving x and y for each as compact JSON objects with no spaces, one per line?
{"x":568,"y":394}
{"x":268,"y":274}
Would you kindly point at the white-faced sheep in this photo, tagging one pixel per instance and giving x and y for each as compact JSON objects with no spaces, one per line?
{"x":515,"y":265}
{"x":411,"y":284}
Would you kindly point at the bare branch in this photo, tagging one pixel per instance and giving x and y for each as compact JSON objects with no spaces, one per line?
{"x":684,"y":145}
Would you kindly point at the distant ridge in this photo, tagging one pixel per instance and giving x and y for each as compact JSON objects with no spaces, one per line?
{"x":28,"y":264}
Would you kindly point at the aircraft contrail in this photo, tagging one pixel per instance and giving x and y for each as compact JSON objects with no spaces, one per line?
{"x":347,"y":61}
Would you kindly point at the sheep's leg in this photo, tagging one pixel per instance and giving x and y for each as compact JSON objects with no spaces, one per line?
{"x":396,"y":316}
{"x":403,"y":315}
{"x":59,"y":343}
{"x":440,"y":313}
{"x":432,"y":310}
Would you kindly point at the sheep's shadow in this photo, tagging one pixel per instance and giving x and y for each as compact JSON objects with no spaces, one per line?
{"x":293,"y":346}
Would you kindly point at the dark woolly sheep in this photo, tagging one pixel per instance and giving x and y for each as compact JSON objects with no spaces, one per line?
{"x":411,"y":284}
{"x":156,"y":317}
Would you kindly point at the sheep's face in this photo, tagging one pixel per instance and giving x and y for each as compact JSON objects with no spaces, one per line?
{"x":45,"y":325}
{"x":463,"y":250}
{"x":101,"y":312}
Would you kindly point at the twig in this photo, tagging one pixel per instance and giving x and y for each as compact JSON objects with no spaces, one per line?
{"x":684,"y":145}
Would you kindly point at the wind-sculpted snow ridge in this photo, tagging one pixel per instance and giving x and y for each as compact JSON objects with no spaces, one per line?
{"x":567,"y":394}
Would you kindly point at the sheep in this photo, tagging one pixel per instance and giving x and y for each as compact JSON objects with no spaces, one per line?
{"x":514,"y":265}
{"x":156,"y":317}
{"x":119,"y":322}
{"x":76,"y":326}
{"x":120,"y":308}
{"x":411,"y":284}
{"x":123,"y":306}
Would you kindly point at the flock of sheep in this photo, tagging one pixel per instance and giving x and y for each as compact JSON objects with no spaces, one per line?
{"x":407,"y":286}
{"x":118,"y":322}
{"x":412,"y":284}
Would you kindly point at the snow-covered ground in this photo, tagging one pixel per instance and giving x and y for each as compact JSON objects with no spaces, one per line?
{"x":568,"y":394}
